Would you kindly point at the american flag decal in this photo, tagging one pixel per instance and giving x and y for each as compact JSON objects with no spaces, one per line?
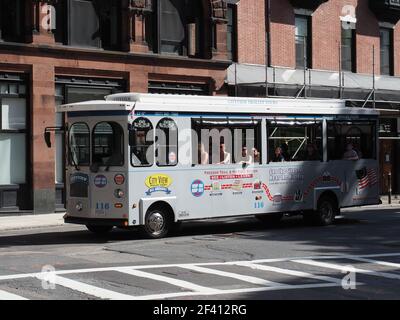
{"x":367,"y":178}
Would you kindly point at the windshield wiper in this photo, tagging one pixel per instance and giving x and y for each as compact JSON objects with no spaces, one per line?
{"x":74,"y":163}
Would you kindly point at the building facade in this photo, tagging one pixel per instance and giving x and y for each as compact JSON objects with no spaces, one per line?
{"x":347,"y":49}
{"x":63,"y":51}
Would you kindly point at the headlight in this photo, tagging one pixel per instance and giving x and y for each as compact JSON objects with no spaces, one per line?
{"x":119,"y":193}
{"x":79,"y":206}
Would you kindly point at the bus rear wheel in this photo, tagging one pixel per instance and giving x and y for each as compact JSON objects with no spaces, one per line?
{"x":325,"y":214}
{"x":157,"y":223}
{"x":99,"y":230}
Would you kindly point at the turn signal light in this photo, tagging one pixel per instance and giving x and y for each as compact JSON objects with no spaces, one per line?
{"x":118,"y":205}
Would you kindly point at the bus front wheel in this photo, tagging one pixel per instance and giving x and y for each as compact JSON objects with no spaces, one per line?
{"x":100,"y":230}
{"x":157,"y":223}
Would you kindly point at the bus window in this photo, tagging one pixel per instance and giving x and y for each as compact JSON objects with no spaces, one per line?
{"x":294,"y":140}
{"x":226,"y":141}
{"x":141,"y":140}
{"x":79,"y":144}
{"x":167,"y":143}
{"x":108,"y":144}
{"x":351,"y":140}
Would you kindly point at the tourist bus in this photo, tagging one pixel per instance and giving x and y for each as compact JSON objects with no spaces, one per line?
{"x":153,"y":161}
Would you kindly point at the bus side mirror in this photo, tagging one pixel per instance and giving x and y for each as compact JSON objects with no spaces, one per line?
{"x":47,"y":138}
{"x":47,"y":134}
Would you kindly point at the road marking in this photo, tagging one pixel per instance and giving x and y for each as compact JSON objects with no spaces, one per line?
{"x":346,"y":269}
{"x":174,"y":282}
{"x":348,"y":256}
{"x":85,"y":288}
{"x":244,"y":278}
{"x":236,"y":291}
{"x":143,"y":267}
{"x":382,"y":263}
{"x":290,"y":272}
{"x":4,"y":295}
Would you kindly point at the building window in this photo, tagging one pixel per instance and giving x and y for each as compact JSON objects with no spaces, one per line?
{"x":198,"y":89}
{"x":231,"y":33}
{"x":13,"y":129}
{"x":303,"y":41}
{"x":386,"y":38}
{"x":89,"y":23}
{"x":176,"y":27}
{"x":348,"y":49}
{"x":12,"y":20}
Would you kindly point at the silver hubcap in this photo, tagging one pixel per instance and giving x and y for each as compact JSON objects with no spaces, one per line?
{"x":155,"y":223}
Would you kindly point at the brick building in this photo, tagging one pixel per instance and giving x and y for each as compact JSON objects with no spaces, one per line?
{"x":322,"y":48}
{"x":62,"y":51}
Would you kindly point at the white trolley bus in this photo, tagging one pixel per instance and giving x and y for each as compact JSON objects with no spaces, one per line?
{"x":156,"y":160}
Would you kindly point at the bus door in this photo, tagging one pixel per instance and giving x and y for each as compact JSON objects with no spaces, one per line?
{"x":96,"y":173}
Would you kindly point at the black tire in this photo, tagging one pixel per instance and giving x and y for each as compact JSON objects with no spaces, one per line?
{"x":157,"y":223}
{"x":270,"y":218}
{"x":99,"y":230}
{"x":327,"y":209}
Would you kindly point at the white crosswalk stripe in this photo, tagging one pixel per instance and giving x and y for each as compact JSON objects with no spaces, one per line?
{"x":344,"y":268}
{"x":10,"y":296}
{"x":248,"y":280}
{"x":289,"y":272}
{"x":86,"y":288}
{"x":174,"y":282}
{"x":240,"y":277}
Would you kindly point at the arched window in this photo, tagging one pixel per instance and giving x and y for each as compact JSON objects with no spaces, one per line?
{"x":79,"y":144}
{"x":141,"y":141}
{"x":167,"y":142}
{"x":108,"y":144}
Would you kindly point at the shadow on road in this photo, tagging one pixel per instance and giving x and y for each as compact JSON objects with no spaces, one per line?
{"x":350,"y":232}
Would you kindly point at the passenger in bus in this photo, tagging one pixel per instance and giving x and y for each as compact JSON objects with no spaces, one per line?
{"x":256,"y":155}
{"x":246,"y":157}
{"x":203,"y":156}
{"x":285,"y":151}
{"x":225,"y":157}
{"x":278,"y":156}
{"x":311,"y":153}
{"x":350,"y":153}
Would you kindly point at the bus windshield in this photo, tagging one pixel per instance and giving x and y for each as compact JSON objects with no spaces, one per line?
{"x":106,"y":148}
{"x":108,"y":144}
{"x":79,"y":144}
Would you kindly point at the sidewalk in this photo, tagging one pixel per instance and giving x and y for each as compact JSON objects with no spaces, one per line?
{"x":10,"y":223}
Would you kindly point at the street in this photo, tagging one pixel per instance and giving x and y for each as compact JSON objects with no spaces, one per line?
{"x":223,"y":259}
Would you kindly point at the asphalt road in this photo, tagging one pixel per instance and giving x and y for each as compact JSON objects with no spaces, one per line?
{"x":224,"y":259}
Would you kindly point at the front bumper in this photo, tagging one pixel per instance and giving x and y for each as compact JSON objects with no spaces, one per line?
{"x":96,"y":222}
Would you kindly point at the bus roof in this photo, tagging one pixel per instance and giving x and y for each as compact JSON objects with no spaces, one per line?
{"x":166,"y":103}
